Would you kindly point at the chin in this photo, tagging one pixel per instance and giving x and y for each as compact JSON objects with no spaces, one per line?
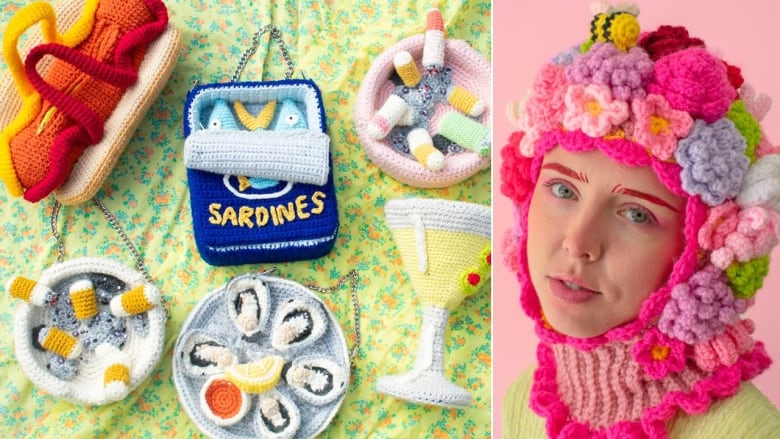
{"x":574,"y":329}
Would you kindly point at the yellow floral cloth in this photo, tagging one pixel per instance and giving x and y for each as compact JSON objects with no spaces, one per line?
{"x":333,"y":43}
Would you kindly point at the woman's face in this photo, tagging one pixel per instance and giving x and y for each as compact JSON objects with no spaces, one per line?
{"x":602,"y":236}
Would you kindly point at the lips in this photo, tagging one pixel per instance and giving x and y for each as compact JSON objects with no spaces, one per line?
{"x":570,"y":291}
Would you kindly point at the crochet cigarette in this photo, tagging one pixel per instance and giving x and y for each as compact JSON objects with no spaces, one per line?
{"x":82,"y":295}
{"x":406,"y":68}
{"x":116,"y":372}
{"x":433,"y":50}
{"x":60,"y":342}
{"x":393,"y":112}
{"x":466,"y":132}
{"x":140,"y":299}
{"x":465,"y":101}
{"x":30,"y":291}
{"x":421,"y":145}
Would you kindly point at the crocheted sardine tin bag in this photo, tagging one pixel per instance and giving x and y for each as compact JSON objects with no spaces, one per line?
{"x":659,"y":99}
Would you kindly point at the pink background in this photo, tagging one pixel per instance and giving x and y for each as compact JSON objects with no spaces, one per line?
{"x":525,"y":34}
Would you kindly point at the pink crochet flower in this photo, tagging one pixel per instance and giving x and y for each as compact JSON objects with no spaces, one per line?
{"x":693,"y":80}
{"x":545,"y":106}
{"x":725,"y":348}
{"x":721,"y":220}
{"x":658,"y":126}
{"x":658,"y":354}
{"x":592,"y":110}
{"x":755,"y":235}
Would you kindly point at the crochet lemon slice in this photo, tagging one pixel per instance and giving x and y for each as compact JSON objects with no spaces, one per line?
{"x":257,"y":377}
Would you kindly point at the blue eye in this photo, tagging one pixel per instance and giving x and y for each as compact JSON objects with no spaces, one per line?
{"x":561,"y":190}
{"x":637,"y":215}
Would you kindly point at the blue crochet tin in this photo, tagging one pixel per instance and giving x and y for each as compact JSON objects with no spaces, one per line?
{"x":259,"y":172}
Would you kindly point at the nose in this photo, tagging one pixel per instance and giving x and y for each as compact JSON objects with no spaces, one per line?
{"x":583,"y":239}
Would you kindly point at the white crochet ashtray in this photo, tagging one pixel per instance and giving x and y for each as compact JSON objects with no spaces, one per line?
{"x":422,"y":112}
{"x":261,"y":357}
{"x":89,"y":331}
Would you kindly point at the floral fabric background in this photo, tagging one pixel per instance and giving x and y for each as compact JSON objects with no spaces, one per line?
{"x":333,"y":43}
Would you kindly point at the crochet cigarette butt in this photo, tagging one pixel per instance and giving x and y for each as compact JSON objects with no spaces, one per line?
{"x":140,"y":299}
{"x":406,"y":68}
{"x":60,"y":342}
{"x":421,"y":145}
{"x":465,"y":101}
{"x":29,"y":290}
{"x":116,"y":371}
{"x":82,"y":295}
{"x":392,"y":111}
{"x":466,"y":132}
{"x":433,"y":49}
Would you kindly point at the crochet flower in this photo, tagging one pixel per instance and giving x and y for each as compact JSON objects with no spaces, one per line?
{"x":735,"y":75}
{"x":566,"y":57}
{"x":592,"y":110}
{"x":693,"y":80}
{"x":515,"y":171}
{"x":624,"y":72}
{"x":666,"y":40}
{"x":755,"y":235}
{"x":658,"y":126}
{"x":658,"y":354}
{"x":761,"y":184}
{"x":713,"y":161}
{"x":545,"y":105}
{"x":700,"y":308}
{"x":726,"y":347}
{"x":747,"y":125}
{"x":721,"y":221}
{"x":747,"y":278}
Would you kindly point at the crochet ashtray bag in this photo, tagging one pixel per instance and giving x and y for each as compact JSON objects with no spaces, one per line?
{"x":89,"y":330}
{"x":422,"y":111}
{"x":261,"y":357}
{"x":75,"y":93}
{"x":258,"y":168}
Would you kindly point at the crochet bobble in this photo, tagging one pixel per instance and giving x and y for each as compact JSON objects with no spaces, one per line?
{"x":701,"y":307}
{"x":626,"y":73}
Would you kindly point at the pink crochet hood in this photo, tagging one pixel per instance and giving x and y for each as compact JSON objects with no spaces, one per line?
{"x":665,"y":102}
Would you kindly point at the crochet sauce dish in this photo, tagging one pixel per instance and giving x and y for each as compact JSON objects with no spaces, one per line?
{"x":464,"y":67}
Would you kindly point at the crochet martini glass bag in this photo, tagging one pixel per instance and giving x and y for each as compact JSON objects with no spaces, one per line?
{"x":658,"y":99}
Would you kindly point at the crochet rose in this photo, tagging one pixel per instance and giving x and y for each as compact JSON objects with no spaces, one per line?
{"x":626,"y":73}
{"x":693,"y":80}
{"x":700,"y":308}
{"x":666,"y":40}
{"x":515,"y":170}
{"x":658,"y":354}
{"x":721,"y":221}
{"x":713,"y":161}
{"x":735,"y":76}
{"x":592,"y":110}
{"x":726,"y":347}
{"x":657,"y":126}
{"x":545,"y":105}
{"x":755,"y":235}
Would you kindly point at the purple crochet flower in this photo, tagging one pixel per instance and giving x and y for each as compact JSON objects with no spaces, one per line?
{"x":566,"y":57}
{"x":700,"y":308}
{"x":624,"y":72}
{"x":713,"y":160}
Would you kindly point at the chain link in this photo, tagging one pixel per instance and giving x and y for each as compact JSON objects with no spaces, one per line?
{"x":354,"y":278}
{"x":114,"y":223}
{"x":276,"y":35}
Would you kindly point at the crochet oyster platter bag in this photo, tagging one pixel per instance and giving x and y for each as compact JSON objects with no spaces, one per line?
{"x":225,"y":178}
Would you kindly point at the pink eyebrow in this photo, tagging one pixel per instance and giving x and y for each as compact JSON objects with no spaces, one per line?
{"x":645,"y":196}
{"x":566,"y":171}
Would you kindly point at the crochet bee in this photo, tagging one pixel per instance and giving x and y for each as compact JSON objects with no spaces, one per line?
{"x":615,"y":24}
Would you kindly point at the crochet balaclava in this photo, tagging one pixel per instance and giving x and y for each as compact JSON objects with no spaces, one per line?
{"x":661,"y":100}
